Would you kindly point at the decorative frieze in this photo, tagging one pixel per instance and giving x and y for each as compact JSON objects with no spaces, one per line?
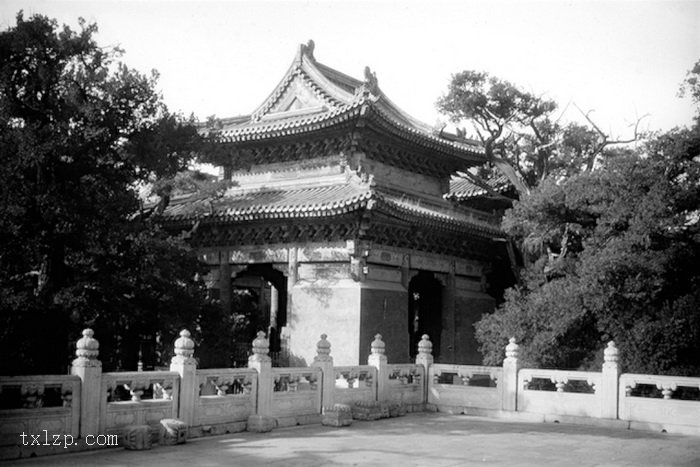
{"x":277,"y":254}
{"x":468,"y":268}
{"x":305,"y":149}
{"x":324,"y":271}
{"x":380,"y":273}
{"x":430,"y":264}
{"x":327,"y":251}
{"x":383,"y":256}
{"x":427,"y":239}
{"x":285,"y":232}
{"x":413,"y":160}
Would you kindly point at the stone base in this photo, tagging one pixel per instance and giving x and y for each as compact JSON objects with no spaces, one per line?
{"x":397,"y":410}
{"x":338,"y":415}
{"x":172,"y":431}
{"x":296,"y":420}
{"x":137,"y":438}
{"x":261,"y":424}
{"x":367,"y":411}
{"x":216,"y":429}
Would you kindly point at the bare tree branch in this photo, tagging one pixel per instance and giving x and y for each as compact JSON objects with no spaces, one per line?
{"x":604,"y":137}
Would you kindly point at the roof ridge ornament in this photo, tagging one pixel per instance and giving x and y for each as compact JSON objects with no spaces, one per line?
{"x":371,"y":83}
{"x":308,"y":50}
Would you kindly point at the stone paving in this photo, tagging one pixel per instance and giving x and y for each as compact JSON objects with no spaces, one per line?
{"x":420,"y":439}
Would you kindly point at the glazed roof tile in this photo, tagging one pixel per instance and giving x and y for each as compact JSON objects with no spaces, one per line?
{"x":343,"y":98}
{"x":324,"y":201}
{"x":462,"y":188}
{"x":266,"y":203}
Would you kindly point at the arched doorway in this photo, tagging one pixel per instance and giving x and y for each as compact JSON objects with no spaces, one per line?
{"x":424,"y":311}
{"x":265,"y":289}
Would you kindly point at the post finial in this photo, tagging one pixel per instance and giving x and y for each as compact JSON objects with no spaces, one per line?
{"x":425,"y":347}
{"x":512,"y":349}
{"x":87,"y":347}
{"x":378,"y":346}
{"x":184,"y":345}
{"x":261,"y":348}
{"x":610,"y":353}
{"x":323,"y":347}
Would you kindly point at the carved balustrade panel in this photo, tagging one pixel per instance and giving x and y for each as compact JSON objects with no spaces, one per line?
{"x":226,"y":382}
{"x":580,"y":382}
{"x":406,"y":383}
{"x":660,"y":399}
{"x":296,"y":391}
{"x":139,"y":386}
{"x":465,"y":386}
{"x":30,"y":404}
{"x":225,"y":395}
{"x":138,"y":398}
{"x":560,"y":392}
{"x":355,"y":384}
{"x":466,"y":375}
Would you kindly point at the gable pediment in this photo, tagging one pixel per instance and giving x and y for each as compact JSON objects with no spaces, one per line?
{"x":296,"y":97}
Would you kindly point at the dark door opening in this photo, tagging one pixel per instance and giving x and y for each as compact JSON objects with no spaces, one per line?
{"x":424,"y":311}
{"x":265,"y":288}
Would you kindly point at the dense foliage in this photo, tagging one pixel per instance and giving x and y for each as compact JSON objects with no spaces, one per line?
{"x":79,"y":132}
{"x":609,"y":238}
{"x":619,"y":249}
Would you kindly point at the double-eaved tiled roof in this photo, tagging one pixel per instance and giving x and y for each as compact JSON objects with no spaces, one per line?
{"x":310,"y":97}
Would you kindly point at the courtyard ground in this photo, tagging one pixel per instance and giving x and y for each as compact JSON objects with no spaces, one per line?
{"x":420,"y":439}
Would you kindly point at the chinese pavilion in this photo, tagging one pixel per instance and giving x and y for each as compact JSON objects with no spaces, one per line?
{"x":342,"y":222}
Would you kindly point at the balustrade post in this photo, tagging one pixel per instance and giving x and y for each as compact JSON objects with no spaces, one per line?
{"x":89,"y":369}
{"x":260,"y":361}
{"x":609,"y":382}
{"x":377,"y":359}
{"x":184,"y":363}
{"x":509,"y":391}
{"x":425,"y":358}
{"x":324,"y":361}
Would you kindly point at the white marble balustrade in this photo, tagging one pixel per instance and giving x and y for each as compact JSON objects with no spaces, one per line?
{"x":663,"y":409}
{"x":43,"y":402}
{"x":162,"y":388}
{"x":225,"y":395}
{"x":449,"y":387}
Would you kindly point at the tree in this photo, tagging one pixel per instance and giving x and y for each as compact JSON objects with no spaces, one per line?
{"x":519,"y":133}
{"x":79,"y":131}
{"x":616,"y":251}
{"x":623,"y":245}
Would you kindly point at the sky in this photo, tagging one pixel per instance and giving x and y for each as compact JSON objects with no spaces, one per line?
{"x":619,"y":59}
